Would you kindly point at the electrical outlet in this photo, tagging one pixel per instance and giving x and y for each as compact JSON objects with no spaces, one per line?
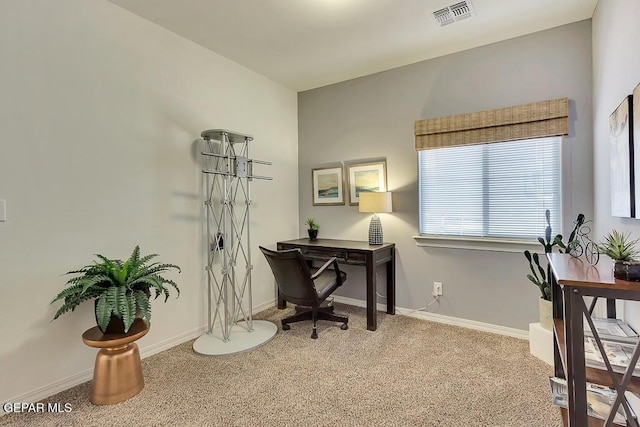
{"x":437,"y":289}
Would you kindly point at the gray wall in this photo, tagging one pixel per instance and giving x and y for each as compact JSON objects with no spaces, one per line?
{"x":373,"y":116}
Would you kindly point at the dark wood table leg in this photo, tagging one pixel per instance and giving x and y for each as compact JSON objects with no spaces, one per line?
{"x":611,"y":308}
{"x":576,"y":375}
{"x":391,"y":284}
{"x":372,"y":321}
{"x":281,"y":302}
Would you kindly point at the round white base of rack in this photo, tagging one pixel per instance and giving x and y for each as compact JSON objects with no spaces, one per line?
{"x":240,"y":339}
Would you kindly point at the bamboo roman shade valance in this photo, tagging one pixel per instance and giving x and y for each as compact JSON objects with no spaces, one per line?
{"x":535,"y":120}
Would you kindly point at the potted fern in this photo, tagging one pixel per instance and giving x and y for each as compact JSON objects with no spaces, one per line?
{"x":622,"y":250}
{"x":312,"y":228}
{"x":121,"y":290}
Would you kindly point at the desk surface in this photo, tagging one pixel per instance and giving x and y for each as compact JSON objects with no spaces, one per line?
{"x":358,"y":245}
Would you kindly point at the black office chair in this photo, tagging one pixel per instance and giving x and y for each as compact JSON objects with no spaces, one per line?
{"x":306,"y":288}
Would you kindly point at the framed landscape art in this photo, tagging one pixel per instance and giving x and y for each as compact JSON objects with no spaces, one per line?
{"x":366,"y":177}
{"x":328,"y":186}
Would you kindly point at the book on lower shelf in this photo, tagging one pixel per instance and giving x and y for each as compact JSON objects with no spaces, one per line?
{"x":611,"y":329}
{"x":599,"y":400}
{"x":618,"y":353}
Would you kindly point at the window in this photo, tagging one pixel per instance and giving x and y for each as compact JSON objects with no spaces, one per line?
{"x":497,"y":190}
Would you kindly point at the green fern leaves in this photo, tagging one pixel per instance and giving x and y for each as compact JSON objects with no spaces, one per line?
{"x":121,"y":289}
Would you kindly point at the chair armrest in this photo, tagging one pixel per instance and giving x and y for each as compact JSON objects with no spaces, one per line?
{"x":332,"y":260}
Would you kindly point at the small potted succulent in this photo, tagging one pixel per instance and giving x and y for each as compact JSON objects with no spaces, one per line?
{"x":622,"y":250}
{"x":121,"y":290}
{"x":312,"y":228}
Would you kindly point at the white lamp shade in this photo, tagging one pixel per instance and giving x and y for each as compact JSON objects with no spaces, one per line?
{"x":375,"y":202}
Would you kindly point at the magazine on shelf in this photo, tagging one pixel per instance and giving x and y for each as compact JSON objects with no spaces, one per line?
{"x":599,"y":400}
{"x":611,"y":329}
{"x":618,"y":353}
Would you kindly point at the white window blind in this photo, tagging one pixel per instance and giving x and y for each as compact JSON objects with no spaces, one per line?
{"x":498,"y":190}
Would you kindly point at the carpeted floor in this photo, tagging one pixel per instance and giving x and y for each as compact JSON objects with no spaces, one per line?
{"x":407,"y":373}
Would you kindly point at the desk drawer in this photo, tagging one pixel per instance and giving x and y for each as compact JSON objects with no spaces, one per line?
{"x":323,"y":254}
{"x":357,"y":258}
{"x":317,"y":253}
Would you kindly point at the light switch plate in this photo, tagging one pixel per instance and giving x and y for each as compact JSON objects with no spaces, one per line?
{"x":3,"y":210}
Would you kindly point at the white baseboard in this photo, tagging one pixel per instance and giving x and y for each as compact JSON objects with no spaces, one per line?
{"x":51,"y":389}
{"x":86,"y":375}
{"x":440,"y":318}
{"x":171,"y":342}
{"x":357,"y":302}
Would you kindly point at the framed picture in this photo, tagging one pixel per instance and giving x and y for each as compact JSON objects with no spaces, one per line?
{"x":366,"y":177}
{"x":328,"y":186}
{"x":635,"y":123}
{"x":621,"y":161}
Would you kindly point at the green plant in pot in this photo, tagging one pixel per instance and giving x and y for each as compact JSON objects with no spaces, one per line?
{"x":541,"y":270}
{"x":622,"y":250}
{"x":312,"y":228}
{"x":121,"y":290}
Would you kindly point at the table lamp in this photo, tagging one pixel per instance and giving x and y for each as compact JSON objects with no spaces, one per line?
{"x":376,"y":203}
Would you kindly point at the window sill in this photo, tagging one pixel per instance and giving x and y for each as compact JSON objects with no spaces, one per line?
{"x":477,"y":243}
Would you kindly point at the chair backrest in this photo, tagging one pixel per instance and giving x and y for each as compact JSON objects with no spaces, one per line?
{"x":293,"y":276}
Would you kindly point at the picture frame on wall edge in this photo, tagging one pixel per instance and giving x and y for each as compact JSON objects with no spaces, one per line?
{"x":635,"y":124}
{"x":366,"y":177}
{"x":621,"y":150}
{"x":327,"y":185}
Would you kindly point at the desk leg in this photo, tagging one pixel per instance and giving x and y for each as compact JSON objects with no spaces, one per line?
{"x":391,"y":285}
{"x":372,"y":321}
{"x":281,"y":302}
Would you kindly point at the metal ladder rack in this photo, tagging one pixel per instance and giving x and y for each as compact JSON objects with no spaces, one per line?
{"x":227,"y":172}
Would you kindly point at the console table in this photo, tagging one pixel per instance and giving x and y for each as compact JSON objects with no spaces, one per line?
{"x":573,"y":279}
{"x":353,"y":252}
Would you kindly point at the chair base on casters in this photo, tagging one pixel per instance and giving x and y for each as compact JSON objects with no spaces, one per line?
{"x":307,"y":313}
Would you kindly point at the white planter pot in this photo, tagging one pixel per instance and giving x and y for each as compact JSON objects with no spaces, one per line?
{"x":546,"y":314}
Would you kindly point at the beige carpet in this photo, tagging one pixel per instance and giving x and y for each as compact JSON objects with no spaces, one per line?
{"x":408,"y":373}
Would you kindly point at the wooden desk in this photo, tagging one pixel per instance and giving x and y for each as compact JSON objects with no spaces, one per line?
{"x":354,"y":252}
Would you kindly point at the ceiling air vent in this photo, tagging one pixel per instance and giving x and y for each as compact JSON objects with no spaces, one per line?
{"x":461,"y":10}
{"x":452,"y":13}
{"x":443,"y":17}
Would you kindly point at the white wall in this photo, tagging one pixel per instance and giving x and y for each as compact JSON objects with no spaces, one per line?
{"x":99,"y":110}
{"x":373,"y":117}
{"x":616,"y":72}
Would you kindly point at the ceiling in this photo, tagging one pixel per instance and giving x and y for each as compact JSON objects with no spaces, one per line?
{"x":304,"y":44}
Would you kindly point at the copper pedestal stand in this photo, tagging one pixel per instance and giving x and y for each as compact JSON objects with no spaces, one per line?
{"x":117,"y":375}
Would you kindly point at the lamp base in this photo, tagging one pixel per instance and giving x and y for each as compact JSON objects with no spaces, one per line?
{"x":375,"y":231}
